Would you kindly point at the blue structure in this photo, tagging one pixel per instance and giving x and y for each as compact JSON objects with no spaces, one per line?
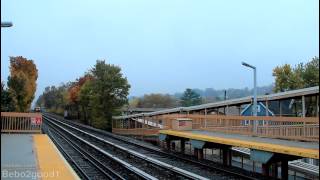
{"x":261,"y":111}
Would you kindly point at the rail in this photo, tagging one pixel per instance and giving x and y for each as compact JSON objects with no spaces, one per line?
{"x":154,"y":162}
{"x":15,"y":122}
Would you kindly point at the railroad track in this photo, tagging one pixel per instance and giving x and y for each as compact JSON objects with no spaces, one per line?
{"x":90,"y":164}
{"x":142,"y":165}
{"x":172,"y":161}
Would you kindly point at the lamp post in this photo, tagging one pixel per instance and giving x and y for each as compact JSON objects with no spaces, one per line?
{"x":6,"y":24}
{"x":255,"y":122}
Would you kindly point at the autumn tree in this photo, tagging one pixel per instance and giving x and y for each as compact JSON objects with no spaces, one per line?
{"x":74,"y":100}
{"x":301,"y":76}
{"x":190,"y":98}
{"x":22,"y":82}
{"x":284,"y":76}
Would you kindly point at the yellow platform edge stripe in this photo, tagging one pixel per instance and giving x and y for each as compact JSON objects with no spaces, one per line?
{"x":303,"y":152}
{"x":51,"y":163}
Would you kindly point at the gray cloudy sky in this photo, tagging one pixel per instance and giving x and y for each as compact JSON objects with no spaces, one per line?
{"x":161,"y":46}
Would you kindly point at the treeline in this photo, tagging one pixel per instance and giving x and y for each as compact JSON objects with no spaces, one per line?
{"x":213,"y":95}
{"x":191,"y":97}
{"x":93,"y":98}
{"x":188,"y":98}
{"x":21,"y":85}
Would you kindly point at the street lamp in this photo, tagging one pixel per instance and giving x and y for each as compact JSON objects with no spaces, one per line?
{"x":255,"y":122}
{"x":6,"y":24}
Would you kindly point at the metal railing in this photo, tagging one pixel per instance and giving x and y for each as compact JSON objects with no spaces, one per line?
{"x":15,"y":122}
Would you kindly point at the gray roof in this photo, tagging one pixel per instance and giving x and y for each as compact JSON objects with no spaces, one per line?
{"x":231,"y":102}
{"x":142,"y":109}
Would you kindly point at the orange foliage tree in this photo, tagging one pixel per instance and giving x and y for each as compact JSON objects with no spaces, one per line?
{"x":74,"y":92}
{"x":22,"y":82}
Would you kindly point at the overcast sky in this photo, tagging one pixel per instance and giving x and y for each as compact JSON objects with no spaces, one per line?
{"x":161,"y":46}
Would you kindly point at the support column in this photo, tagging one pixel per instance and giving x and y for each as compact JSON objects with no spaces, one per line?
{"x":226,"y":156}
{"x":195,"y":152}
{"x":253,"y":166}
{"x":135,"y":124}
{"x":242,"y":161}
{"x":161,"y":144}
{"x":173,"y":146}
{"x":303,"y":101}
{"x":168,"y":144}
{"x":200,"y":154}
{"x":227,"y":110}
{"x":317,"y":106}
{"x":274,"y":170}
{"x":265,"y":169}
{"x":280,"y":107}
{"x":182,"y":146}
{"x":284,"y":169}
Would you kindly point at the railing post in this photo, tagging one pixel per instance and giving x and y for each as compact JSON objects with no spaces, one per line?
{"x":317,"y":106}
{"x":267,"y":114}
{"x":303,"y":115}
{"x":205,"y":118}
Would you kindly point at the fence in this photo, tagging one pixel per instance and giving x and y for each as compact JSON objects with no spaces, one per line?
{"x":14,"y":122}
{"x":294,"y":128}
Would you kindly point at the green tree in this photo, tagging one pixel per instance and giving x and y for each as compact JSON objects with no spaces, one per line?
{"x":283,"y":75}
{"x":302,"y":76}
{"x":40,"y":101}
{"x":296,"y":79}
{"x":190,"y":98}
{"x":311,"y":73}
{"x":22,"y":82}
{"x":18,"y":89}
{"x":7,"y":103}
{"x":109,"y":91}
{"x":54,"y":99}
{"x":85,"y":95}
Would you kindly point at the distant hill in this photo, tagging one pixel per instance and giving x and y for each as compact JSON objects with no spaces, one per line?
{"x":213,"y":95}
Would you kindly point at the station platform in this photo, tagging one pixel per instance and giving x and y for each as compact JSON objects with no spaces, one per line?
{"x":295,"y":148}
{"x":32,"y":156}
